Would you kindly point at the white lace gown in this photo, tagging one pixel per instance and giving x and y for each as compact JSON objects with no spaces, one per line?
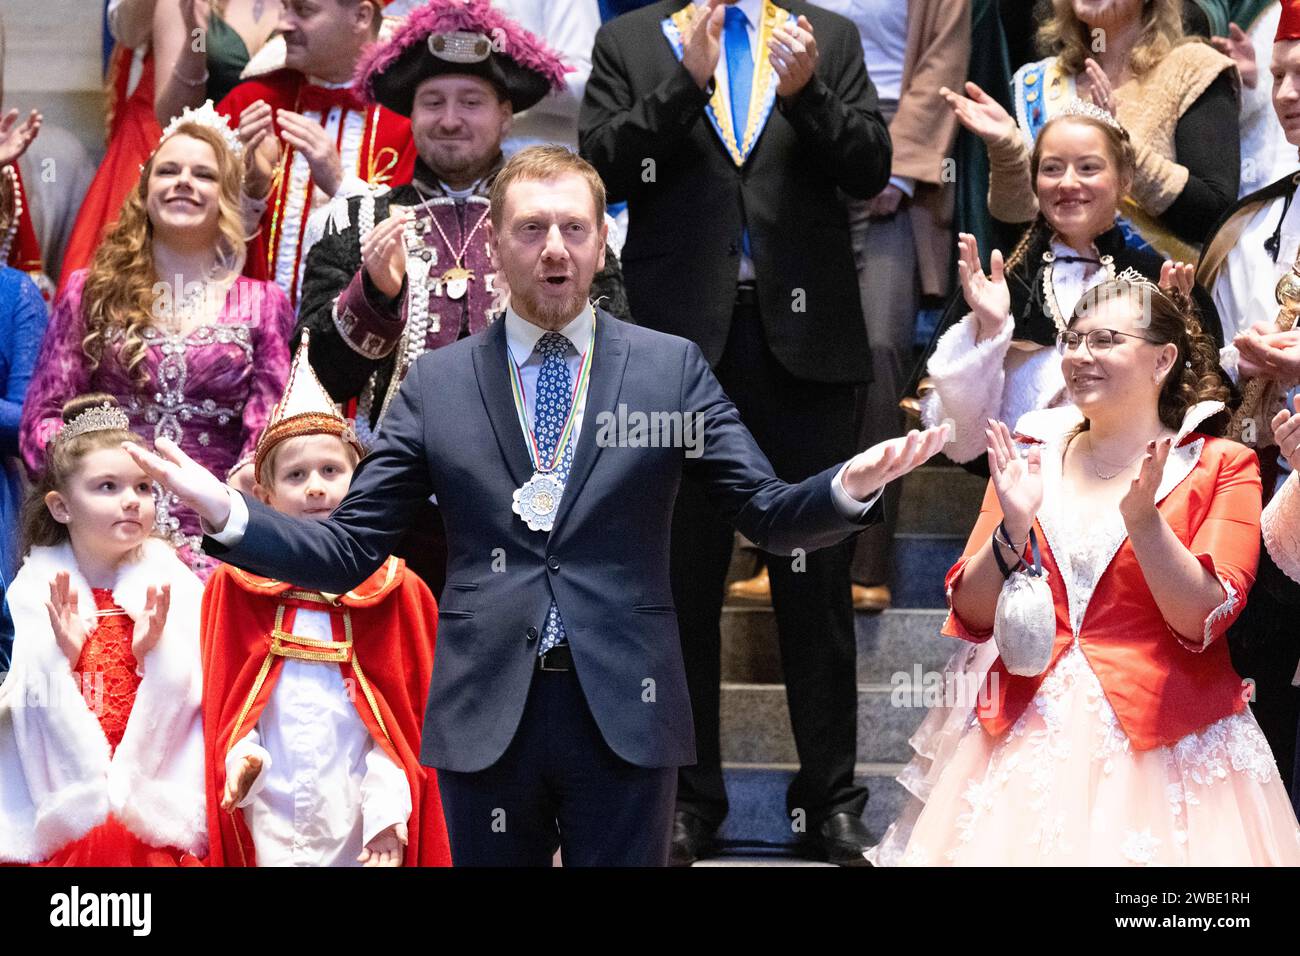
{"x":1064,"y":786}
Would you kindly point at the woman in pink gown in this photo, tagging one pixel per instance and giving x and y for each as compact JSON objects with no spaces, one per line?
{"x":163,"y":321}
{"x":1135,"y":745}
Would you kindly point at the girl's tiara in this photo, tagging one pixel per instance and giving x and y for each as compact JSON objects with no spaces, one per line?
{"x":98,"y":418}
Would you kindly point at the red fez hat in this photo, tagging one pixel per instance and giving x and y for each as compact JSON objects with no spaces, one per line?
{"x":1288,"y":28}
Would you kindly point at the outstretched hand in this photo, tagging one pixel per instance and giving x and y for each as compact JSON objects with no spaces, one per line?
{"x":871,"y":470}
{"x":238,"y":783}
{"x":388,"y":848}
{"x":980,"y":113}
{"x":184,"y":477}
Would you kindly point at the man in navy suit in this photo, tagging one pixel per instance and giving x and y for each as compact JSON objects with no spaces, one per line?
{"x":555,"y":441}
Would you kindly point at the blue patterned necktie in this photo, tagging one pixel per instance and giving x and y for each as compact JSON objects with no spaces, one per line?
{"x":740,"y":78}
{"x":554,"y":396}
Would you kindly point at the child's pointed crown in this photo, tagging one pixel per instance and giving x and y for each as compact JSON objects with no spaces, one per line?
{"x":304,"y":409}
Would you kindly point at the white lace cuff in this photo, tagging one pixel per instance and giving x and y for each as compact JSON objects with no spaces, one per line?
{"x":1216,"y":622}
{"x":1280,"y":524}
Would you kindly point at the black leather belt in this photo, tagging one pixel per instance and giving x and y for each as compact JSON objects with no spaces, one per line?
{"x":558,"y":659}
{"x":747,"y":294}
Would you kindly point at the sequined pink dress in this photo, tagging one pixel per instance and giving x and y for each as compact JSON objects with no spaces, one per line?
{"x":210,"y":390}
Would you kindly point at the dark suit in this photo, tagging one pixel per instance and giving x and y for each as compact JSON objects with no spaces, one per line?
{"x":789,"y":352}
{"x":453,"y":432}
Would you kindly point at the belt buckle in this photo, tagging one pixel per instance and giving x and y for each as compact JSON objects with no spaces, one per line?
{"x":541,"y":664}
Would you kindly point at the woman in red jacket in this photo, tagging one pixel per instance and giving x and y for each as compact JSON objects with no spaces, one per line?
{"x":1134,"y":745}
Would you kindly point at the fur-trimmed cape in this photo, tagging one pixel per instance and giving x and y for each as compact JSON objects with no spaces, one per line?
{"x":58,"y":780}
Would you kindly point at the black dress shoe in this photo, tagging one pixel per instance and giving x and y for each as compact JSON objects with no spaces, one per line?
{"x":843,"y":840}
{"x":692,"y":839}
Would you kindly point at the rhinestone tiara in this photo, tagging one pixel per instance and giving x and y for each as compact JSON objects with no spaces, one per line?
{"x":98,"y":418}
{"x":206,"y":115}
{"x":1078,"y":107}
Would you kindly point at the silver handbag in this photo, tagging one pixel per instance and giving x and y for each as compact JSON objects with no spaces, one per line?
{"x":1024,"y":624}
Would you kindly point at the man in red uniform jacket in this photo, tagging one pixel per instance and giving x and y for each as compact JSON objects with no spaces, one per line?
{"x":309,"y":137}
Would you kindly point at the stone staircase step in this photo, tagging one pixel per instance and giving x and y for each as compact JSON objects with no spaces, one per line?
{"x":921,"y":560}
{"x":755,"y":724}
{"x":757,"y":821}
{"x":888,"y":642}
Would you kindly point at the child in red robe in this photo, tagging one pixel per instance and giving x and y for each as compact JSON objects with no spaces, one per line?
{"x":313,"y":702}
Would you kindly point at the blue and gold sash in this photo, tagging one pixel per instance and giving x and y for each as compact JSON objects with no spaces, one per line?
{"x":762,"y":94}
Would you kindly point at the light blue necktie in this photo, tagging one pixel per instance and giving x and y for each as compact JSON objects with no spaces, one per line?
{"x":554,"y":396}
{"x":740,"y":78}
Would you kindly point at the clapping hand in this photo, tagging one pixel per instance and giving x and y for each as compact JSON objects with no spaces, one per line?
{"x":1286,"y":431}
{"x":196,"y":487}
{"x":988,"y":296}
{"x":880,"y":464}
{"x":65,"y":619}
{"x":261,"y":147}
{"x":1138,"y":506}
{"x":149,"y":628}
{"x":702,"y":47}
{"x":15,"y":137}
{"x":388,"y":848}
{"x":1237,"y":46}
{"x":1268,"y":353}
{"x":1103,"y":94}
{"x":1017,"y":480}
{"x":310,"y":139}
{"x":793,"y":54}
{"x":383,"y":252}
{"x":980,"y":113}
{"x":1177,"y":277}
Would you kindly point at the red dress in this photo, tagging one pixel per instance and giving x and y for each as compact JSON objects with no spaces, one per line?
{"x":133,"y":136}
{"x":108,"y":677}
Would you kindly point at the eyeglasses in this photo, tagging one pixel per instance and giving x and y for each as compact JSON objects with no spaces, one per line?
{"x":1098,"y":340}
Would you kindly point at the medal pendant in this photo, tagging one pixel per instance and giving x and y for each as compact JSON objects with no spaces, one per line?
{"x":538,"y":500}
{"x":456,"y":282}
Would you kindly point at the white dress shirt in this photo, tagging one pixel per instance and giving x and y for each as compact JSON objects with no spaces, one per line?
{"x":325,"y":789}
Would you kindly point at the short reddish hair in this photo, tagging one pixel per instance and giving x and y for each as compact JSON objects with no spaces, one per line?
{"x":542,"y":163}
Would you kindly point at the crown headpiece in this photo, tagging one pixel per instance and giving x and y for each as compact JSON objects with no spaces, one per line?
{"x":305,"y":409}
{"x":206,"y":115}
{"x":1078,"y":107}
{"x":97,"y":418}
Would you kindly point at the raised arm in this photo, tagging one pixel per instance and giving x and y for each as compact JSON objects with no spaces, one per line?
{"x":1199,"y":587}
{"x":618,"y":131}
{"x":334,"y":555}
{"x":777,"y":516}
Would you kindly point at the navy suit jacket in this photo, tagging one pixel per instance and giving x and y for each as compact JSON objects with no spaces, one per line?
{"x":453,"y":431}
